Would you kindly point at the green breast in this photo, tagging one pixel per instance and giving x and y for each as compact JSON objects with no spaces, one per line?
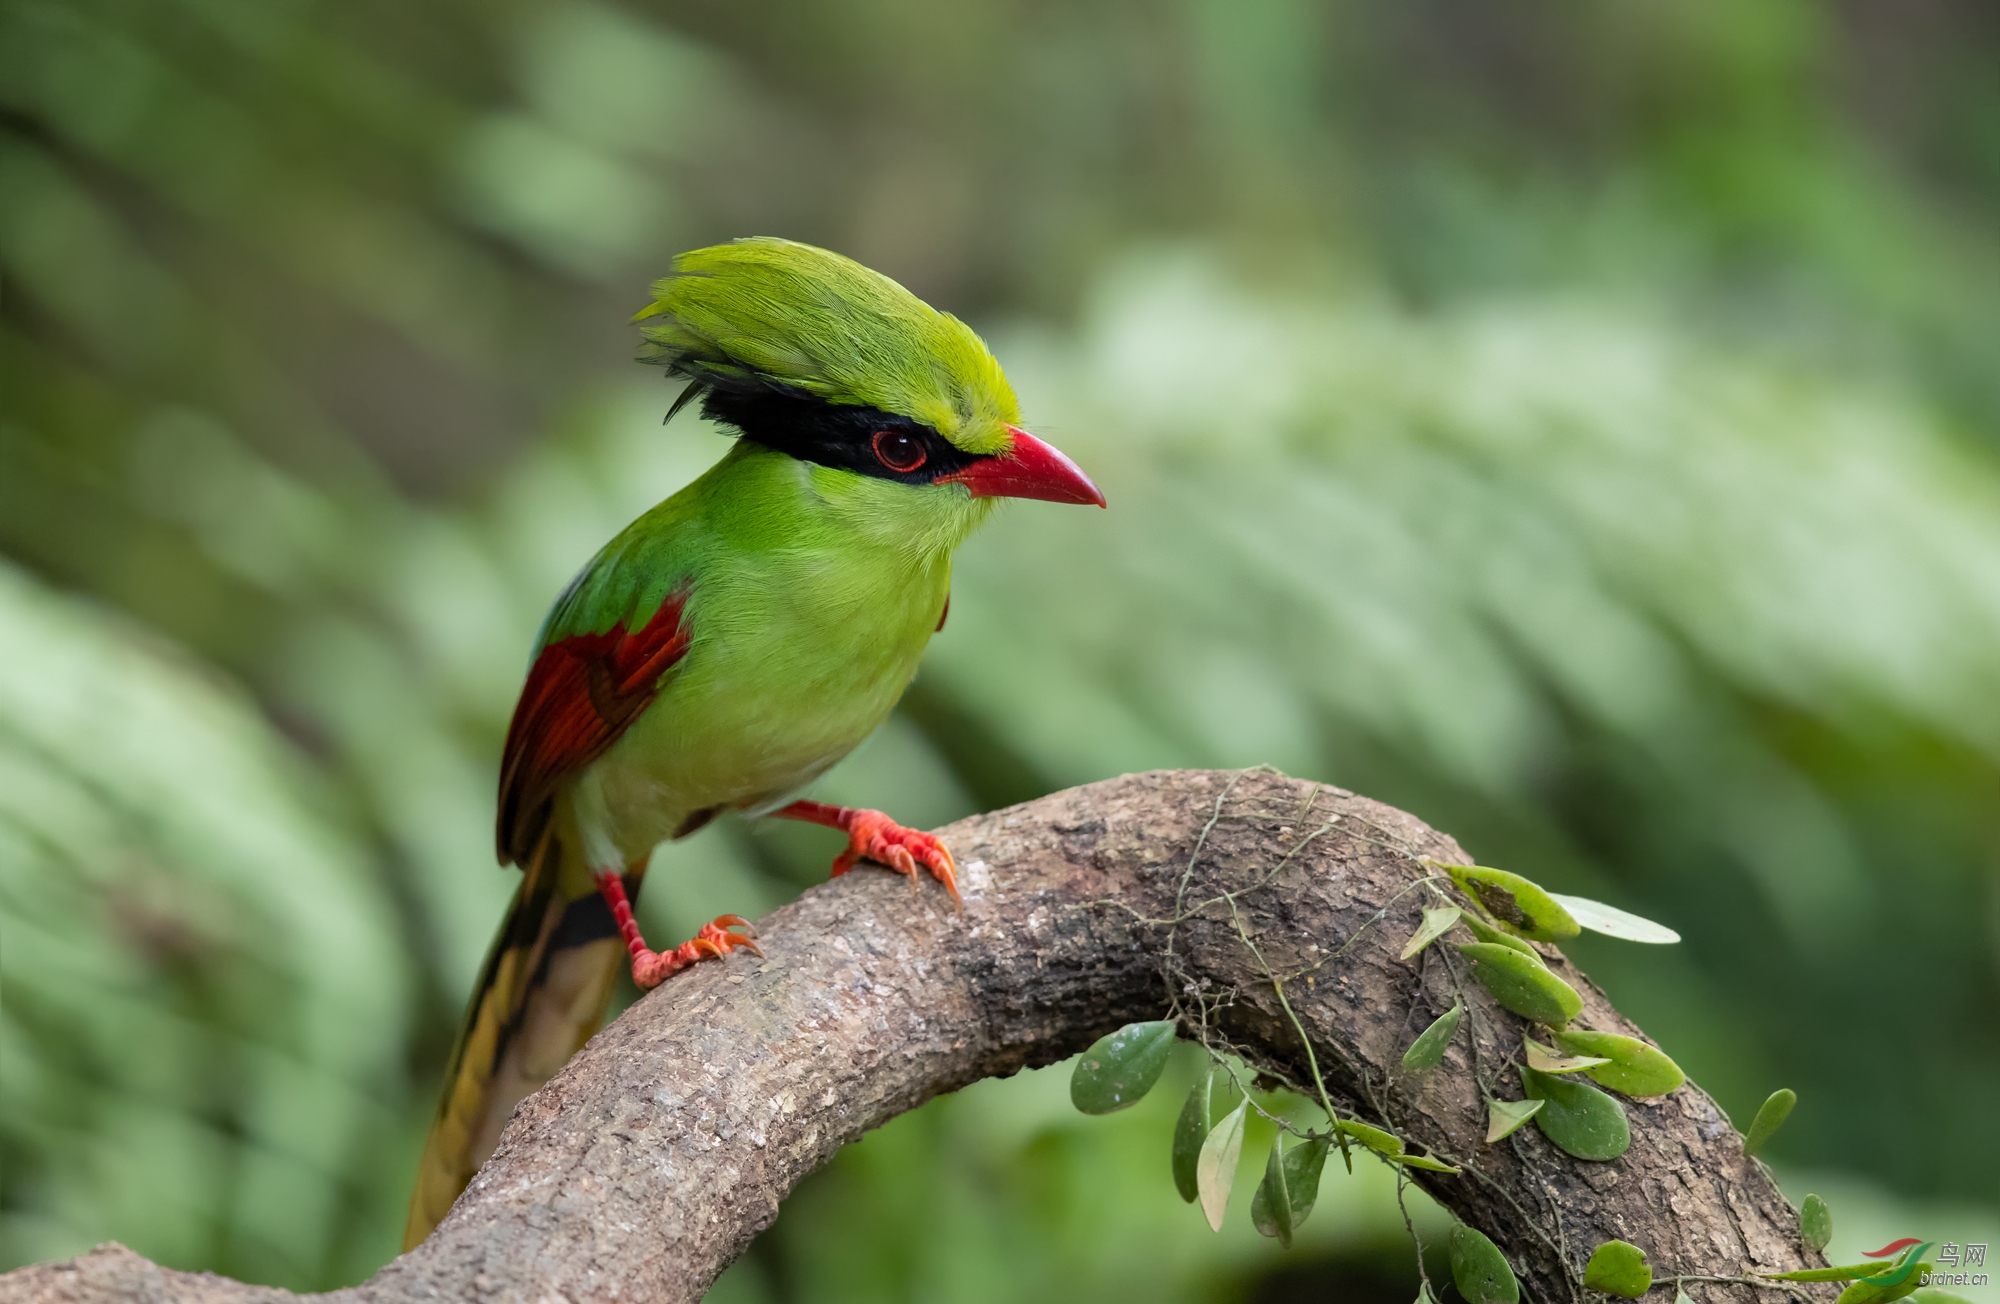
{"x":807,"y":619}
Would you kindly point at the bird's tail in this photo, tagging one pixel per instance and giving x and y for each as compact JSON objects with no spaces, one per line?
{"x":542,"y":993}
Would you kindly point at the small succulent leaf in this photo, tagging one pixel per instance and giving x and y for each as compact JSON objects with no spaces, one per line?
{"x":1429,"y":1047}
{"x":1545,"y":1059}
{"x":1429,"y":1163}
{"x":1505,"y":1117}
{"x":1681,"y":1296}
{"x":1436,"y":923}
{"x":1117,"y":1070}
{"x":1519,"y":904}
{"x":1424,"y":1295}
{"x":1815,"y":1223}
{"x":1271,"y":1206}
{"x":1619,"y":1268}
{"x":1189,"y":1133}
{"x":1635,"y":1068}
{"x":1480,"y":1270}
{"x":1523,"y":985}
{"x":1771,"y":1116}
{"x":1613,"y":922}
{"x":1215,"y":1170}
{"x":1579,"y":1119}
{"x":1486,"y":932}
{"x":1375,"y":1138}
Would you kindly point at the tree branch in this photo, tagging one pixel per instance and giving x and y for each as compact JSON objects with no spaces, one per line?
{"x":648,"y":1164}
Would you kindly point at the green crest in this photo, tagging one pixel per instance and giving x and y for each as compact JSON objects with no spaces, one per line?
{"x":769,"y":312}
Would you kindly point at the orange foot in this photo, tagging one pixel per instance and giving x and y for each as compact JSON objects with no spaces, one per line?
{"x":874,"y":836}
{"x":651,"y":968}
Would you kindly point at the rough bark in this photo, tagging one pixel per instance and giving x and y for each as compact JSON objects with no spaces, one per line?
{"x":649,"y":1163}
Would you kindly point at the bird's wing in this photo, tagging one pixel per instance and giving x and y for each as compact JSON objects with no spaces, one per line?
{"x":609,"y":640}
{"x":590,"y":680}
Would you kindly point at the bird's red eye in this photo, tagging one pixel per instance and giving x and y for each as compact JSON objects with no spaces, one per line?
{"x":898,"y":451}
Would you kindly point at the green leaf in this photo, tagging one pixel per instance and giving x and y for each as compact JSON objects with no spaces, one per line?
{"x":1424,"y":1295}
{"x":1303,"y":1165}
{"x":1435,"y":924}
{"x":1619,"y":1268}
{"x":1504,"y":1117}
{"x":1867,"y":1292}
{"x":1377,"y":1139}
{"x":1514,"y":901}
{"x":1613,"y":922}
{"x":1868,"y":1288}
{"x":1271,"y":1206}
{"x":1544,"y":1059}
{"x":1480,"y":1270}
{"x":1189,"y":1133}
{"x":1388,"y":1145}
{"x":1815,"y":1223}
{"x":1486,"y":932}
{"x":1522,"y":984}
{"x":1215,"y":1170}
{"x":1290,"y":1185}
{"x":1119,"y":1069}
{"x":1429,"y":1047}
{"x":1771,"y":1116}
{"x":1635,"y":1068}
{"x":1681,"y":1296}
{"x":1840,"y":1272}
{"x":1579,"y":1119}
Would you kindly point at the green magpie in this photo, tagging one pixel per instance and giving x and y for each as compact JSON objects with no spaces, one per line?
{"x":733,"y":643}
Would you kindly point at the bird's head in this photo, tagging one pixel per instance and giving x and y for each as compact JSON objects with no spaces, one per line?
{"x":814,"y":355}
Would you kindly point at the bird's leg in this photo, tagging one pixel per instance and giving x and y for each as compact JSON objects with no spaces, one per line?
{"x":874,"y":836}
{"x":650,"y":968}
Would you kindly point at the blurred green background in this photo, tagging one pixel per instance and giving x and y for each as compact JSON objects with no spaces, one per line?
{"x":1578,"y":424}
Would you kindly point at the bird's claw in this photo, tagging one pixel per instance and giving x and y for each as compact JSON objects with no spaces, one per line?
{"x":871,"y":835}
{"x":715,"y":940}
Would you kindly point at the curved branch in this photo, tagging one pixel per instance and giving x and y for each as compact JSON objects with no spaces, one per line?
{"x":648,"y":1164}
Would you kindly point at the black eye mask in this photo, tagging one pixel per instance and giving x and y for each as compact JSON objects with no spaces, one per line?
{"x":865,"y":440}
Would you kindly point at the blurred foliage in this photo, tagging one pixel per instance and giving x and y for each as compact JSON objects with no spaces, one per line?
{"x":1575,"y":424}
{"x":176,"y":1058}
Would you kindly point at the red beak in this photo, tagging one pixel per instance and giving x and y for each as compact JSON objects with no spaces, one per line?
{"x":1030,"y":469}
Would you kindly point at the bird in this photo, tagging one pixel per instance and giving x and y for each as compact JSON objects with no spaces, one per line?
{"x":734,"y":642}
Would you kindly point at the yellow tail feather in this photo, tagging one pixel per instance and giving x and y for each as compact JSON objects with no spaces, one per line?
{"x":542,"y":993}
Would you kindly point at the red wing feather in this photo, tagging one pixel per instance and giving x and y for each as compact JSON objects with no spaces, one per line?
{"x":581,"y":694}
